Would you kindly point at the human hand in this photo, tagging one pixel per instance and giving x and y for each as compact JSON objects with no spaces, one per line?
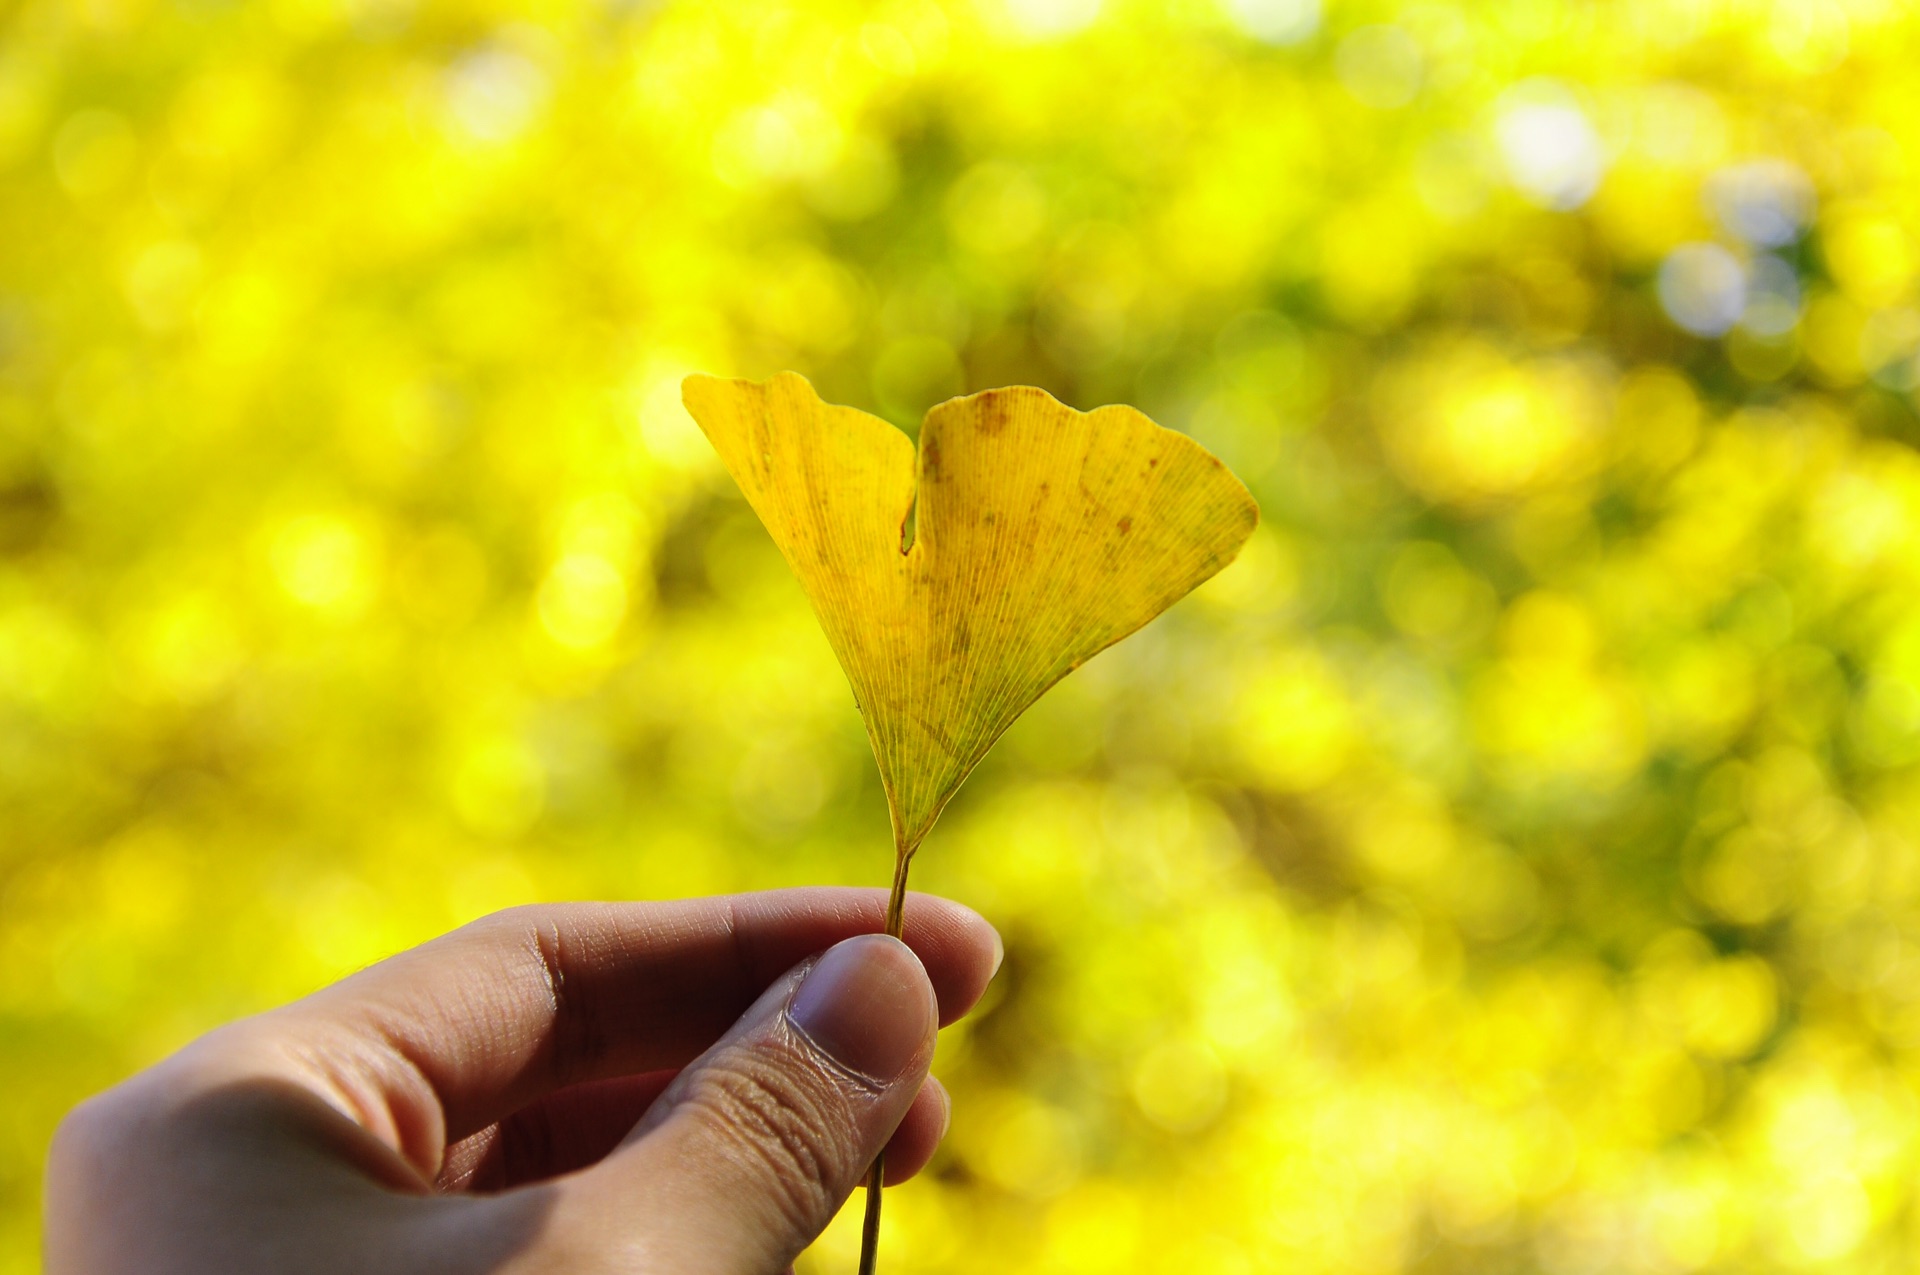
{"x":591,"y":1088}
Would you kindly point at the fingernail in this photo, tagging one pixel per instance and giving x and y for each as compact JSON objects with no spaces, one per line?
{"x":867,"y":1005}
{"x":999,"y":955}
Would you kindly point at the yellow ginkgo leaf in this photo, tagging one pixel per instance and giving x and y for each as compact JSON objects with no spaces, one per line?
{"x":1028,"y":537}
{"x":955,"y":592}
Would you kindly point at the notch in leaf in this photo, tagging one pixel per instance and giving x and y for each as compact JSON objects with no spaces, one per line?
{"x":958,"y":584}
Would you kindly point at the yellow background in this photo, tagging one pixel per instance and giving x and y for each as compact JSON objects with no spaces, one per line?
{"x":1512,"y":864}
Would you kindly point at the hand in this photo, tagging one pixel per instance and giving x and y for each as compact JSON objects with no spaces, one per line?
{"x":637,"y":1087}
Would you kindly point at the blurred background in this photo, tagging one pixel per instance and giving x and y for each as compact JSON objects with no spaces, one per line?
{"x":1511,"y":864}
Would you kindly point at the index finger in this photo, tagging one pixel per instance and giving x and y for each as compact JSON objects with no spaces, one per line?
{"x":534,"y":999}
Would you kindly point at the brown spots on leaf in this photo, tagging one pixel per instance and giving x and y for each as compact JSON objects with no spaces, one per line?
{"x":1153,"y":462}
{"x":994,"y":414}
{"x":930,"y":459}
{"x":1125,"y":525}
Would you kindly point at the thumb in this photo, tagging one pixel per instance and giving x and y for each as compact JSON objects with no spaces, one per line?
{"x":753,"y":1148}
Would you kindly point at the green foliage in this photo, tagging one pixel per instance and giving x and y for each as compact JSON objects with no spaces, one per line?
{"x":1511,"y":862}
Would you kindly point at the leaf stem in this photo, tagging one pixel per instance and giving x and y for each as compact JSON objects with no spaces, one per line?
{"x":870,"y":1226}
{"x":897,"y":900}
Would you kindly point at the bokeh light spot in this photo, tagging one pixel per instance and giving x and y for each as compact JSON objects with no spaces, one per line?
{"x":1766,"y":203}
{"x":1828,"y":1216}
{"x":495,"y":94}
{"x":1032,"y":1148}
{"x":582,"y":601}
{"x":1052,"y":19}
{"x":1552,"y":152}
{"x":1180,"y":1085}
{"x":1871,"y":256}
{"x":324,"y":562}
{"x":162,"y":283}
{"x":498,"y":787}
{"x":1703,"y":288}
{"x":1773,"y":297}
{"x":1276,"y":21}
{"x":996,"y":209}
{"x":1380,"y":65}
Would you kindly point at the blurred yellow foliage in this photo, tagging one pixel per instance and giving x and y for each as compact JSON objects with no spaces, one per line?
{"x":1512,"y":862}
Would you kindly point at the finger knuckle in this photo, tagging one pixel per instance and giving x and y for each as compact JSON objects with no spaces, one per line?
{"x":797,"y":1130}
{"x":547,"y":960}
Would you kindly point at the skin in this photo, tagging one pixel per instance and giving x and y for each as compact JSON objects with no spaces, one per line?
{"x":589,"y":1088}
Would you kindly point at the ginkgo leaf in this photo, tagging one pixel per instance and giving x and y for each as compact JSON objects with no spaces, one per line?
{"x":1028,"y":537}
